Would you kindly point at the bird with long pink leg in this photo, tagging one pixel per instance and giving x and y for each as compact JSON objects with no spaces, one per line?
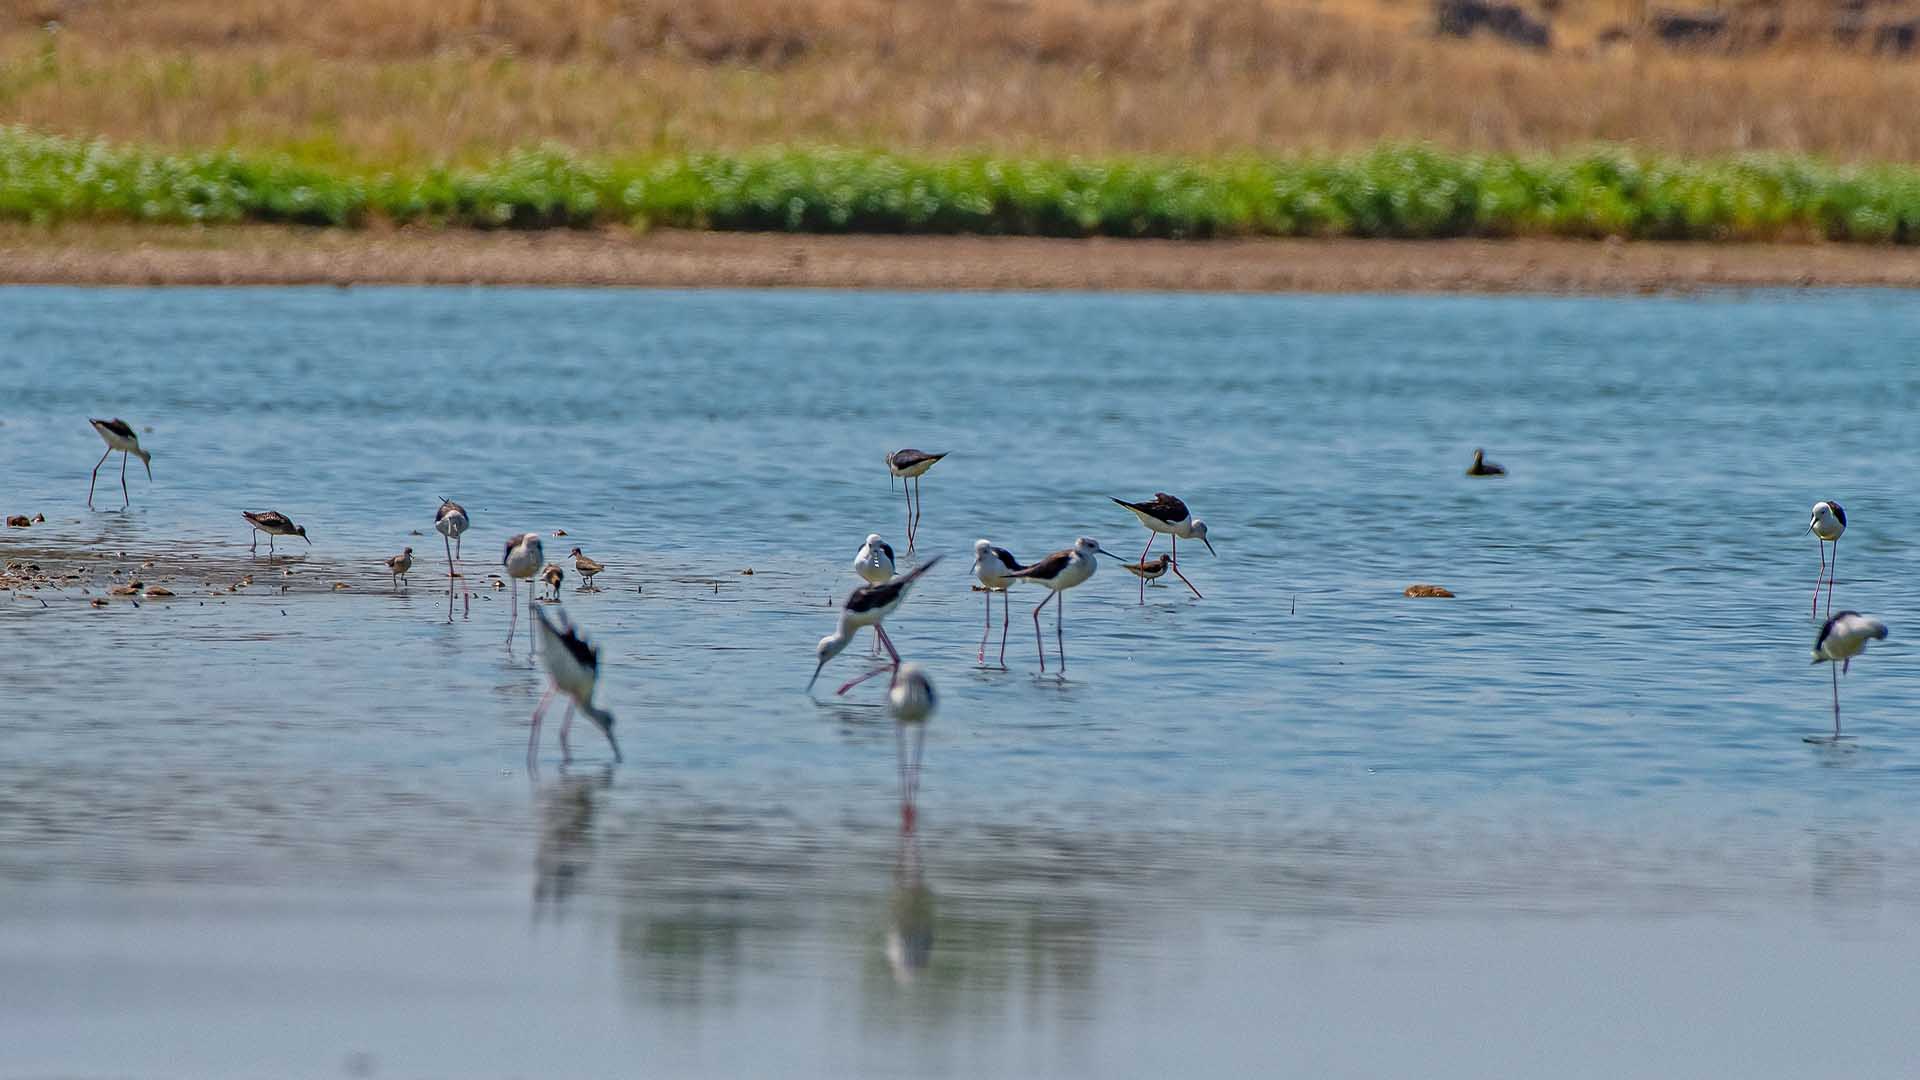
{"x":868,"y":606}
{"x":1059,"y":572}
{"x":1168,"y":515}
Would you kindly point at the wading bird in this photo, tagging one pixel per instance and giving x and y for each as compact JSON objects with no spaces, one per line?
{"x":273,"y":523}
{"x":450,"y":521}
{"x":522,"y":560}
{"x":398,"y":565}
{"x":573,"y":667}
{"x":587,"y":568}
{"x":553,"y":576}
{"x":1482,"y":467}
{"x":1059,"y":572}
{"x":118,"y":435}
{"x":1150,"y":571}
{"x":867,"y":606}
{"x":1166,"y":514}
{"x":994,"y":567}
{"x":910,"y":465}
{"x":874,"y":561}
{"x":911,"y":701}
{"x":1842,"y":638}
{"x":1829,"y":521}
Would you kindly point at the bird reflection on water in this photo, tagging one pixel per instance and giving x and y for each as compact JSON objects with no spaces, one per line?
{"x":565,"y":852}
{"x":910,"y":913}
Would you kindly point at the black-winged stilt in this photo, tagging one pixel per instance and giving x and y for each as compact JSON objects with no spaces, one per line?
{"x":1059,"y":572}
{"x":1842,"y":638}
{"x":1166,"y":514}
{"x":1482,"y":467}
{"x":911,"y":701}
{"x":874,"y":561}
{"x":1828,"y":522}
{"x":573,"y":668}
{"x":118,"y":435}
{"x":450,"y":521}
{"x":273,"y":523}
{"x":866,"y":606}
{"x":587,"y":568}
{"x":910,"y":465}
{"x":398,"y":565}
{"x":522,"y":560}
{"x":994,"y":567}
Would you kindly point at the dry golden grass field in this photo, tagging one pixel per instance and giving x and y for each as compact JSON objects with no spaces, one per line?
{"x":387,"y":81}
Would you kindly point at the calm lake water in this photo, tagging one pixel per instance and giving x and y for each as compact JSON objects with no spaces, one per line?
{"x":1562,"y":822}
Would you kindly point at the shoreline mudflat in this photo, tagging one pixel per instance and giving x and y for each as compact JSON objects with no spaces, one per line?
{"x":271,"y":255}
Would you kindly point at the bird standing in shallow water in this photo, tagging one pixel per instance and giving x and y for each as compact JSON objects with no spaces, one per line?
{"x":1166,"y":514}
{"x":118,"y":435}
{"x":1150,"y":571}
{"x":587,"y":568}
{"x":874,"y":561}
{"x":1842,"y":638}
{"x":522,"y":560}
{"x":1828,"y":522}
{"x":910,"y":465}
{"x":450,"y":521}
{"x":1482,"y":467}
{"x":867,"y":606}
{"x":573,"y":669}
{"x":273,"y":523}
{"x":994,"y":567}
{"x":911,"y":701}
{"x":553,"y":576}
{"x":398,"y":565}
{"x":1059,"y":572}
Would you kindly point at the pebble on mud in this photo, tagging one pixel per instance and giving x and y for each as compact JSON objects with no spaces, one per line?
{"x":1426,"y":590}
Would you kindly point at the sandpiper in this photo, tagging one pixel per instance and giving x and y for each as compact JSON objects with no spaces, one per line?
{"x":273,"y":523}
{"x":553,"y":576}
{"x":1166,"y":514}
{"x":573,"y":668}
{"x":1150,"y":571}
{"x":1842,"y":638}
{"x":1828,"y":522}
{"x":522,"y":560}
{"x":867,"y":606}
{"x":994,"y":567}
{"x":1059,"y":572}
{"x":118,"y":435}
{"x":910,"y":465}
{"x":1482,"y":467}
{"x":587,"y":568}
{"x":398,"y":565}
{"x":911,"y":701}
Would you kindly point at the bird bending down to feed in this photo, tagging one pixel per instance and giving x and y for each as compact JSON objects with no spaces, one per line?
{"x":450,"y":521}
{"x":874,"y":561}
{"x":1166,"y":514}
{"x":522,"y":560}
{"x":587,"y":568}
{"x":910,"y":465}
{"x":118,"y":435}
{"x":994,"y":567}
{"x":1482,"y":467}
{"x":1059,"y":572}
{"x":1842,"y":638}
{"x":553,"y":576}
{"x":866,"y":606}
{"x":1828,"y":522}
{"x":911,"y":701}
{"x":398,"y":565}
{"x":273,"y":523}
{"x":573,"y":667}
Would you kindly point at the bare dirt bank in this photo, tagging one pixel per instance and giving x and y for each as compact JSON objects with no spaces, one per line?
{"x":259,"y":255}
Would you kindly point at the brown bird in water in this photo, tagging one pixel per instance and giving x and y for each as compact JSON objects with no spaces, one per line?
{"x":1426,"y":590}
{"x":398,"y":565}
{"x":587,"y":568}
{"x":1150,"y":571}
{"x":553,"y":576}
{"x":1482,"y":467}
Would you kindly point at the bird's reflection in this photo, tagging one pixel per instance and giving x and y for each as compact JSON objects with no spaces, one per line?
{"x":910,"y":912}
{"x":565,"y":850}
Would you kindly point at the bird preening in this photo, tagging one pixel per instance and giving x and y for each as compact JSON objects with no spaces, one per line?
{"x":1843,"y":637}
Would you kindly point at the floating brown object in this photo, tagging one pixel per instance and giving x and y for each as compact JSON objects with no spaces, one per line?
{"x":339,"y":585}
{"x":131,"y":588}
{"x":559,"y":532}
{"x":1482,"y":467}
{"x":19,"y":521}
{"x":1426,"y":590}
{"x":158,"y":590}
{"x":99,"y":601}
{"x":748,"y":572}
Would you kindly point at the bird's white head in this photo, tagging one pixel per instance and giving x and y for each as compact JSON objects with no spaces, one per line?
{"x":981,"y":547}
{"x":1087,"y":545}
{"x":830,"y":646}
{"x":1199,"y":529}
{"x":912,"y":698}
{"x":1828,"y":521}
{"x":874,"y":538}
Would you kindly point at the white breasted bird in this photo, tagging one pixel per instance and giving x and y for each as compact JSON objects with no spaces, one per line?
{"x":874,"y":561}
{"x":910,"y":465}
{"x":993,"y":567}
{"x":1827,"y":523}
{"x":118,"y":435}
{"x":1168,"y":515}
{"x":522,"y":560}
{"x":867,"y":606}
{"x":1843,"y":637}
{"x":1059,"y":572}
{"x":573,"y":669}
{"x":273,"y":523}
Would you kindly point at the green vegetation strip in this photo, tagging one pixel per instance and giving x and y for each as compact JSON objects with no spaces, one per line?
{"x":1392,"y":192}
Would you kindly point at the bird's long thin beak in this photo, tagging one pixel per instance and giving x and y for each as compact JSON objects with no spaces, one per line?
{"x":1109,"y":554}
{"x":615,"y":743}
{"x":303,"y":536}
{"x":1209,"y":544}
{"x":816,"y":675}
{"x":149,"y":466}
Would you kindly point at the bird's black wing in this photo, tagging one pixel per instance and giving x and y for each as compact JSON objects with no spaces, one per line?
{"x":1163,"y":507}
{"x":268,"y":519}
{"x":117,"y":426}
{"x":1047,"y":568}
{"x":447,"y":507}
{"x":569,"y":638}
{"x":1826,"y":628}
{"x":1838,"y":514}
{"x":885,"y":549}
{"x":1006,"y":556}
{"x":907,"y":459}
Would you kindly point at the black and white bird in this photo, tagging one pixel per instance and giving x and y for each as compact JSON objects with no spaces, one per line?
{"x":1168,"y":515}
{"x":1842,"y":638}
{"x":118,"y":435}
{"x":1827,"y":523}
{"x":911,"y":701}
{"x":867,"y":606}
{"x":398,"y":565}
{"x":450,"y":521}
{"x":910,"y":465}
{"x":587,"y":568}
{"x":573,"y":669}
{"x":1482,"y":467}
{"x":993,"y":567}
{"x":1059,"y":572}
{"x":522,"y":560}
{"x":273,"y":523}
{"x":874,"y":561}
